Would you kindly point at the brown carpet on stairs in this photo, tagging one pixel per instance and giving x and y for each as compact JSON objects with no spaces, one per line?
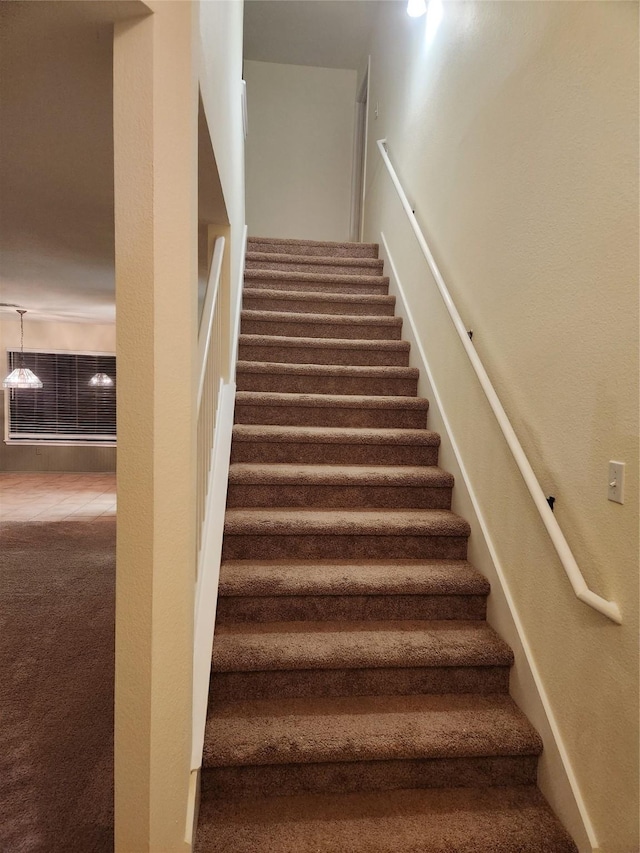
{"x":56,"y":691}
{"x":359,"y":700}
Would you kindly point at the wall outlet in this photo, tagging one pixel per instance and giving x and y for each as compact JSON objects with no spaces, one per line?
{"x":616,"y":482}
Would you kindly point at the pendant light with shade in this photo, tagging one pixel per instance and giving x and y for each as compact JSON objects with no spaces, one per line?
{"x":22,"y":377}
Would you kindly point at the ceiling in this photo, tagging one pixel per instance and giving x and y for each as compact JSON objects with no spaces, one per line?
{"x":325,"y":33}
{"x":56,"y":135}
{"x":56,"y":158}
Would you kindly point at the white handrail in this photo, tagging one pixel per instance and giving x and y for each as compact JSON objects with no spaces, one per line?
{"x":208,"y":312}
{"x":580,"y":588}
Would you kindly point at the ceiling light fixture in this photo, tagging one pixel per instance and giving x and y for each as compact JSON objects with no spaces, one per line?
{"x":416,"y":8}
{"x":22,"y":377}
{"x":434,"y":17}
{"x":101,"y":380}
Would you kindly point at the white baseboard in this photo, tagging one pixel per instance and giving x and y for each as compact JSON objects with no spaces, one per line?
{"x":193,"y":809}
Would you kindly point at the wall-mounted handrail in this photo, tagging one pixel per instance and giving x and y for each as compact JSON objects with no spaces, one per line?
{"x":576,"y":578}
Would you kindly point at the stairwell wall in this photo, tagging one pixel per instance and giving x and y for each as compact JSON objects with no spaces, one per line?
{"x":299,"y":150}
{"x":514,"y":130}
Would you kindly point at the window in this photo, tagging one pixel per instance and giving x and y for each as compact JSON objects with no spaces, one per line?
{"x":67,"y":409}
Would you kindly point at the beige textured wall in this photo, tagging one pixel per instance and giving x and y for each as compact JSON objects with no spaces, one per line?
{"x":515,"y":133}
{"x":75,"y":337}
{"x":158,"y":62}
{"x":156,"y":208}
{"x":299,"y":150}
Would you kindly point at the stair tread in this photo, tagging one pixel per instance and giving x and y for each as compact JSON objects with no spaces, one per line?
{"x":364,"y":475}
{"x":344,"y":522}
{"x":318,"y":277}
{"x":334,"y":435}
{"x":459,"y":820}
{"x":305,"y":645}
{"x":350,"y":577}
{"x":278,"y":257}
{"x":318,"y":296}
{"x":296,"y":241}
{"x":371,"y":728}
{"x":333,"y":319}
{"x":323,"y":343}
{"x":347,"y":401}
{"x":360,"y":371}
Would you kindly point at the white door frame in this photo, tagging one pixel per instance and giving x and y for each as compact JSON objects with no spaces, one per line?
{"x":359,"y":171}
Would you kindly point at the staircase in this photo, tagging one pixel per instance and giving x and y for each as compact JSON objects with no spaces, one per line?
{"x":359,"y":700}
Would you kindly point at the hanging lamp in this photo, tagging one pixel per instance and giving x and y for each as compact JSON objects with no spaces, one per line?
{"x":101,"y":380}
{"x":22,"y":377}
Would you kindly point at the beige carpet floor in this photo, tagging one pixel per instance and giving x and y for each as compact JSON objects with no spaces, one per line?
{"x":56,"y":690}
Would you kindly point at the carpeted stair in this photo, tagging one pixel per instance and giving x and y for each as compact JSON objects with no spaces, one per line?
{"x":359,"y":700}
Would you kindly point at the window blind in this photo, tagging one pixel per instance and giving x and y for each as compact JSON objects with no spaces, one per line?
{"x":66,"y":408}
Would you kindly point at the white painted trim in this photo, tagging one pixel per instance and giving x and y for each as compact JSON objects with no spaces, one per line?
{"x":544,"y":699}
{"x":245,"y":114}
{"x":608,"y":608}
{"x":236,"y":326}
{"x":358,"y":158}
{"x":66,"y":439}
{"x":209,"y":567}
{"x":208,"y":313}
{"x":193,"y":809}
{"x":7,"y":413}
{"x":366,"y":148}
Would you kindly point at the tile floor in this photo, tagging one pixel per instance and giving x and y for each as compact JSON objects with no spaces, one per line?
{"x":56,"y":497}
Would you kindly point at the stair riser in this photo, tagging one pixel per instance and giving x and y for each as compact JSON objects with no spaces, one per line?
{"x":346,"y":777}
{"x":293,"y":684}
{"x":371,"y":288}
{"x":310,"y":329}
{"x":319,"y":608}
{"x":325,"y":355}
{"x":290,"y":383}
{"x":334,"y":497}
{"x":327,"y":547}
{"x":312,"y":306}
{"x":299,"y":266}
{"x":325,"y":416}
{"x":333,"y":454}
{"x":351,"y":250}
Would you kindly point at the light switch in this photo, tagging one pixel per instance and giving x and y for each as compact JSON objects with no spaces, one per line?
{"x":616,"y":482}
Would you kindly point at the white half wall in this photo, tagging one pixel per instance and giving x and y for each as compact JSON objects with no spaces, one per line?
{"x":299,"y":150}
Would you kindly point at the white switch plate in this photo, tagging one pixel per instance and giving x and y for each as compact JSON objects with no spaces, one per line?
{"x":616,"y":482}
